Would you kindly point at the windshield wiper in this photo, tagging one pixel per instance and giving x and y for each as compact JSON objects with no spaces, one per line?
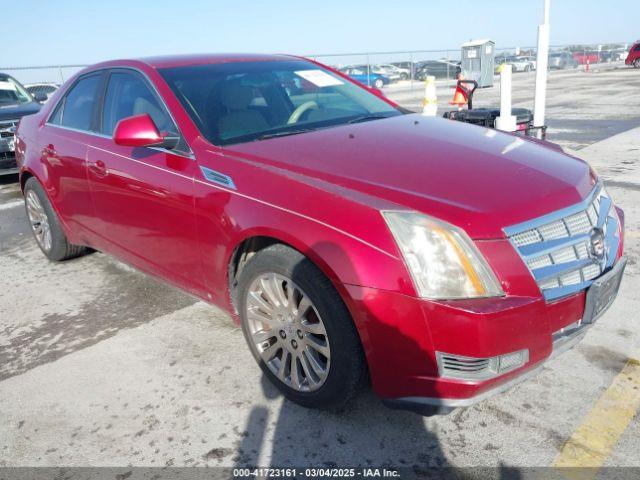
{"x":366,"y":118}
{"x":285,"y":133}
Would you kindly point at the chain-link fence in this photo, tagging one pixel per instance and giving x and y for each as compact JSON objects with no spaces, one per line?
{"x":381,"y":69}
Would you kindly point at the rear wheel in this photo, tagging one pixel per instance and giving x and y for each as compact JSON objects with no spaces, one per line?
{"x":636,"y":63}
{"x":298,"y":329}
{"x":45,"y":224}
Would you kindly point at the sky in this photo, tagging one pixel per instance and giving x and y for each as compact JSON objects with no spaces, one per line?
{"x":88,"y":31}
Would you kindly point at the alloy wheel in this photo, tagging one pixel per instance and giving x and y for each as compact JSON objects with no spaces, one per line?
{"x":39,"y":221}
{"x":287,"y":332}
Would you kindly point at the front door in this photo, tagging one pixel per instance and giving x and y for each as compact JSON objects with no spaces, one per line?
{"x":143,"y":196}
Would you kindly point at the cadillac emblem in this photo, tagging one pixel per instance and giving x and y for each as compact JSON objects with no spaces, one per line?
{"x":597,"y":248}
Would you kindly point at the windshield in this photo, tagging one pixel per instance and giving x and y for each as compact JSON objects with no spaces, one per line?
{"x":248,"y":101}
{"x":12,"y":93}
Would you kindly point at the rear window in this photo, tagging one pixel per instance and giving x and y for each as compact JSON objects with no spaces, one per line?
{"x":75,"y":110}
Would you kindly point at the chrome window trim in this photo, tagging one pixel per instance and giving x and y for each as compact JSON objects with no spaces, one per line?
{"x":187,"y":154}
{"x":190,"y":155}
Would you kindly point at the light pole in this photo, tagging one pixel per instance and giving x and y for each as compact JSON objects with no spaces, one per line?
{"x":542,"y":65}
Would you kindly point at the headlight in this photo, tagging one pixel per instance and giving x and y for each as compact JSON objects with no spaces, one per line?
{"x":443,"y":261}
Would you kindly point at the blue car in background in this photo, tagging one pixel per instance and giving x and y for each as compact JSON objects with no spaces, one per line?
{"x":370,"y":78}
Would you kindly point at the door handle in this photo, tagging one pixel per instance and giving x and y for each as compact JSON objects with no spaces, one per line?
{"x":98,"y":168}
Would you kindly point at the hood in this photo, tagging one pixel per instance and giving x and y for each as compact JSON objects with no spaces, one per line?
{"x":14,"y":112}
{"x":477,"y":178}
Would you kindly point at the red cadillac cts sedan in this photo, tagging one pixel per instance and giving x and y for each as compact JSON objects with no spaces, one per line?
{"x":352,"y":241}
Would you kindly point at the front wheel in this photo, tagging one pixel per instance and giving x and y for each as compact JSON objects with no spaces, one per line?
{"x":378,"y":83}
{"x":636,"y":63}
{"x":299,"y":330}
{"x":45,"y":224}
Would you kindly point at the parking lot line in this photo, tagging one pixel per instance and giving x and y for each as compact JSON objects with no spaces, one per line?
{"x":592,"y":442}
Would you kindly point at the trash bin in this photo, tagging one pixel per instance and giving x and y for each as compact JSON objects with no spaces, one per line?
{"x":486,"y":117}
{"x":478,"y":61}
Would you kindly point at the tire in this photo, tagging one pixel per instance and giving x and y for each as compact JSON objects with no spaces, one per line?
{"x":45,"y":225}
{"x":636,"y":63}
{"x":527,"y":68}
{"x":279,"y":266}
{"x":378,"y":83}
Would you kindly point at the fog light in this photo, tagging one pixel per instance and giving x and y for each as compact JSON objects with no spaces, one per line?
{"x":478,"y":368}
{"x":509,"y":361}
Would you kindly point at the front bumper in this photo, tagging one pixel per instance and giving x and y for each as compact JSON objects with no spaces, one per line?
{"x":563,"y":340}
{"x":7,"y":151}
{"x":8,"y":165}
{"x":402,"y":335}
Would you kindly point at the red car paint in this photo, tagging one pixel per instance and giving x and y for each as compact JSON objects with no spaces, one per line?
{"x":633,"y":58}
{"x":322,"y":193}
{"x":586,"y":57}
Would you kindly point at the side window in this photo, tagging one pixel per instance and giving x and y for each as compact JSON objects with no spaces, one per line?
{"x":128,"y":95}
{"x":78,"y":104}
{"x":56,"y":118}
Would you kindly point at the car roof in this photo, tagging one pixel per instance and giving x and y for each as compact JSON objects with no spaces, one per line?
{"x":171,"y":61}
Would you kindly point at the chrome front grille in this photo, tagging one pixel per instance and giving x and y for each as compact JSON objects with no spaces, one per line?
{"x":7,"y":132}
{"x":8,"y":127}
{"x":562,"y":250}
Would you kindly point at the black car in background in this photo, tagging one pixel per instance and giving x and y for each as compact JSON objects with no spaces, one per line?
{"x":15,"y":103}
{"x":437,"y":68}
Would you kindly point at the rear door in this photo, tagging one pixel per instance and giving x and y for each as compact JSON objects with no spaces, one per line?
{"x":63,"y":145}
{"x":143,"y":197}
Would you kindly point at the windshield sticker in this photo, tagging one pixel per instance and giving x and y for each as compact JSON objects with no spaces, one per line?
{"x":319,"y":78}
{"x":7,"y":86}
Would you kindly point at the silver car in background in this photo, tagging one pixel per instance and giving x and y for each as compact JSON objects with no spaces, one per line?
{"x":562,"y":61}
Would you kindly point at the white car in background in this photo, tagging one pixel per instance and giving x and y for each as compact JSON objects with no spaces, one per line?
{"x":46,"y":89}
{"x":518,"y":64}
{"x":531,"y":59}
{"x":394,"y":70}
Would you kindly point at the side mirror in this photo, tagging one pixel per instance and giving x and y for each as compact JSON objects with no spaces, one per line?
{"x":40,"y":97}
{"x":140,"y":131}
